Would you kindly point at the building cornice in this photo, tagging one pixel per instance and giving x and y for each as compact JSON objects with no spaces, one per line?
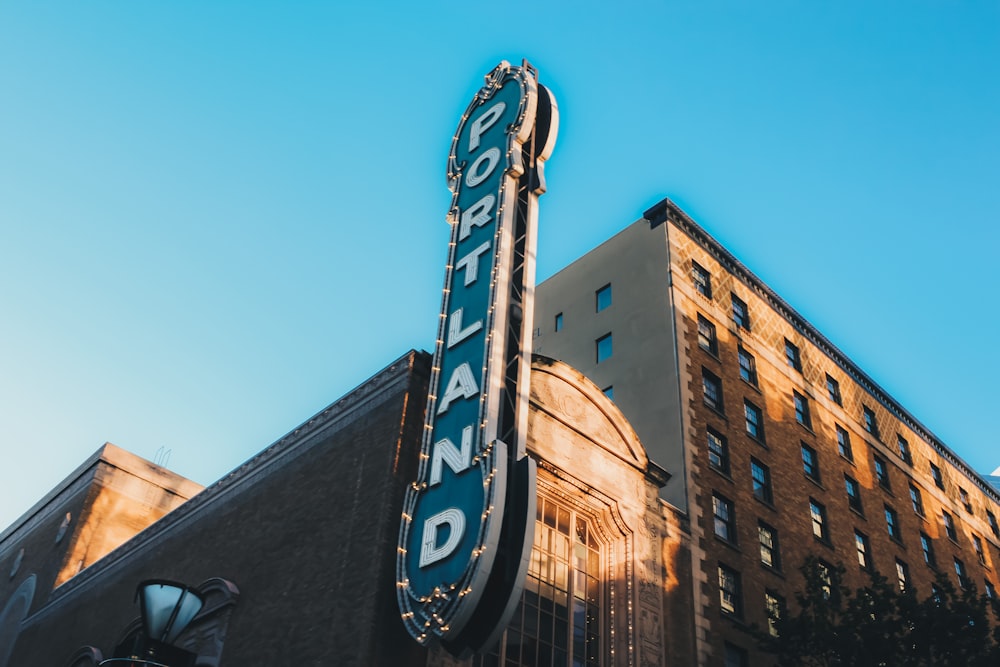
{"x":667,"y":210}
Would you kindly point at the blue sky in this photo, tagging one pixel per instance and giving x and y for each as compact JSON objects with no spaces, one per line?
{"x":218,"y":217}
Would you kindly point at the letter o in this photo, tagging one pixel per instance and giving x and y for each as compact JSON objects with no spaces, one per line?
{"x":477,"y":173}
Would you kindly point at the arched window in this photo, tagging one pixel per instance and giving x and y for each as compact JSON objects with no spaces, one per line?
{"x":558,"y":621}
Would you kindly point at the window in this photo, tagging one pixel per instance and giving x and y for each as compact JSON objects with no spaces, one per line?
{"x":977,"y":544}
{"x":989,"y":591}
{"x":937,"y":477}
{"x":769,"y":552}
{"x":826,"y":578}
{"x":892,"y":524}
{"x":927,"y":547}
{"x":902,"y":575}
{"x":754,"y":421}
{"x":881,"y":472}
{"x":736,"y":657}
{"x":992,"y":519}
{"x":773,"y":604}
{"x":725,"y":518}
{"x":916,"y":500}
{"x":810,"y":462}
{"x":904,"y":449}
{"x":558,"y":619}
{"x":761,"y":476}
{"x":801,"y":409}
{"x":818,"y":513}
{"x":853,"y":494}
{"x":844,"y":443}
{"x":949,"y":526}
{"x":963,"y":496}
{"x":706,"y":336}
{"x":609,"y":391}
{"x":748,"y":366}
{"x":868,"y":418}
{"x":963,"y":580}
{"x":702,"y":279}
{"x":602,"y":297}
{"x":604,"y":347}
{"x":833,"y":389}
{"x":741,"y":314}
{"x":559,"y":321}
{"x":711,"y":390}
{"x":730,"y":591}
{"x":792,"y":355}
{"x":864,"y":549}
{"x":718,"y":452}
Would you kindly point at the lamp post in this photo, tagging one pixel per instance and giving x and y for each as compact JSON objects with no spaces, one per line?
{"x":166,"y":609}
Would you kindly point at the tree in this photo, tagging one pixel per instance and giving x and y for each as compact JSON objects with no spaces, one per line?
{"x":880,"y":626}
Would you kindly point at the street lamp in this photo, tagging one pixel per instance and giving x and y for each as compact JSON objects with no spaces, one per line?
{"x":166,"y":609}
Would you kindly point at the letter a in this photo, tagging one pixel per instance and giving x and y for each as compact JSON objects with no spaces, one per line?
{"x":462,"y":383}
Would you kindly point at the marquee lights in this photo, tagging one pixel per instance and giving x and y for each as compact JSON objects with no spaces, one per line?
{"x":465,"y":530}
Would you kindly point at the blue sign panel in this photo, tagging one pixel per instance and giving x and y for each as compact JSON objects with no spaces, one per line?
{"x":472,"y":456}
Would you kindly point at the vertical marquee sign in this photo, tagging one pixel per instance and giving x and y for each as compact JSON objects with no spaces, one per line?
{"x":468,"y":519}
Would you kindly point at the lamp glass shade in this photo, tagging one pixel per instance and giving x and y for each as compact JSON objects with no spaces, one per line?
{"x":167,"y":609}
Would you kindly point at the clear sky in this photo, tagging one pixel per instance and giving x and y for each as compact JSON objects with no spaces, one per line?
{"x":218,"y":217}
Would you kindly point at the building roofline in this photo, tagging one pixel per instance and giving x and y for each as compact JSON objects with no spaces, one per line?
{"x":668,"y":210}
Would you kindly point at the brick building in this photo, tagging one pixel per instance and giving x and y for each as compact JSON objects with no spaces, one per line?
{"x":779,"y":445}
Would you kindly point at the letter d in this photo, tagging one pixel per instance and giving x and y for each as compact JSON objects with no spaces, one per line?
{"x":430,"y":552}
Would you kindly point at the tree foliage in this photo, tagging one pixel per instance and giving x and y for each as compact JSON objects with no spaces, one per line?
{"x":880,"y":626}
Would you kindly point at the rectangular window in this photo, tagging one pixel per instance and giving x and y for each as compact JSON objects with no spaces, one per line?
{"x":892,"y":524}
{"x":818,"y":514}
{"x":602,"y":297}
{"x":706,"y":336}
{"x":989,"y":591}
{"x":902,"y":575}
{"x":853,"y":494}
{"x":810,"y":462}
{"x":748,"y":366}
{"x":711,"y":390}
{"x":826,"y":579}
{"x":730,"y":591}
{"x":977,"y":544}
{"x":937,"y":477}
{"x":741,"y":315}
{"x":718,"y":452}
{"x":604,"y":347}
{"x":844,"y":443}
{"x":754,"y":421}
{"x":736,"y":656}
{"x":963,"y":496}
{"x":609,"y":391}
{"x":917,"y":500}
{"x":761,"y":476}
{"x":833,"y":389}
{"x":963,"y":579}
{"x":868,"y":418}
{"x":949,"y":526}
{"x":773,"y":604}
{"x":770,"y":555}
{"x":864,"y":550}
{"x":792,"y":355}
{"x":702,"y":279}
{"x":904,"y":449}
{"x":927,"y":547}
{"x":991,"y":518}
{"x":881,"y":472}
{"x":559,"y":321}
{"x":725,"y":518}
{"x":801,"y":409}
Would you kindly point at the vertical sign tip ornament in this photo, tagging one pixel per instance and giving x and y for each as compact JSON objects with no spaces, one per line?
{"x":468,"y":519}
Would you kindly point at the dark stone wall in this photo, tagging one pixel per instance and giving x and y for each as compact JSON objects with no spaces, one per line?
{"x":306,"y":530}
